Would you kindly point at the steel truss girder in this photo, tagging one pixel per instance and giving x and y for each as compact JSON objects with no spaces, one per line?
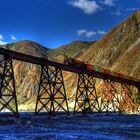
{"x":8,"y":99}
{"x":86,"y":100}
{"x":51,"y":93}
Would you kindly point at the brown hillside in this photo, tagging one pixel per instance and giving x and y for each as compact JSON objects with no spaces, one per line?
{"x":73,"y":49}
{"x":119,"y":50}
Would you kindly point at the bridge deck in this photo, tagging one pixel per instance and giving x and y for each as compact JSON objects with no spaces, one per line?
{"x":75,"y":69}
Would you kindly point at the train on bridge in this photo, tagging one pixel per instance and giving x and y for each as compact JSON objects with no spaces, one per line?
{"x":51,"y":94}
{"x":89,"y":67}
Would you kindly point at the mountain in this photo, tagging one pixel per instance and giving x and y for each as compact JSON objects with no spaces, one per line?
{"x":73,"y":49}
{"x":28,"y":47}
{"x":119,"y":50}
{"x":27,"y":75}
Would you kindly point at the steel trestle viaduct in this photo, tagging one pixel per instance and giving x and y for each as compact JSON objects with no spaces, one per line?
{"x":117,"y":94}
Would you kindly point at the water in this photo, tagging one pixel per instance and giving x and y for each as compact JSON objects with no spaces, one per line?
{"x":79,"y":127}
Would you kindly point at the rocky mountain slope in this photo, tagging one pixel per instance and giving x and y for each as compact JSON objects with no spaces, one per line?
{"x":28,"y":47}
{"x":118,"y":50}
{"x":73,"y":49}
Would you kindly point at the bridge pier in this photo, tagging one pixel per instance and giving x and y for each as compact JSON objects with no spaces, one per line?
{"x":8,"y":99}
{"x":109,"y":100}
{"x":51,"y":93}
{"x":128,"y":103}
{"x":86,"y":100}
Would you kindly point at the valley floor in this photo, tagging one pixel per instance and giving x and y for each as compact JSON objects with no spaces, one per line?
{"x":79,"y":127}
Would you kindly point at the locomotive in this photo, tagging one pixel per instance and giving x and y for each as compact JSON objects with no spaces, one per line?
{"x":74,"y":62}
{"x":77,"y":63}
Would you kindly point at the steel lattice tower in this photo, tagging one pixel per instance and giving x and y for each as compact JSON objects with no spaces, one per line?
{"x":86,"y":100}
{"x":8,"y":99}
{"x":109,"y":98}
{"x":51,"y":94}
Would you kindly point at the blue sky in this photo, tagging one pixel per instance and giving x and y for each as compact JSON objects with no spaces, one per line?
{"x":56,"y":22}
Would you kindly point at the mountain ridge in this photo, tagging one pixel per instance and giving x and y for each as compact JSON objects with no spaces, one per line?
{"x":109,"y":51}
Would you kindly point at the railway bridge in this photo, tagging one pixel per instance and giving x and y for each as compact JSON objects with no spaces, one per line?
{"x":97,"y":90}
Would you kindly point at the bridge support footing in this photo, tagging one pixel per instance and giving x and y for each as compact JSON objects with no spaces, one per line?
{"x":8,"y":99}
{"x":51,"y":93}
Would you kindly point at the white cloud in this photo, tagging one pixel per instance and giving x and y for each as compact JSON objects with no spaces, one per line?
{"x":13,"y":37}
{"x":1,"y":37}
{"x":81,"y":32}
{"x":117,"y":13}
{"x":86,"y":33}
{"x":131,"y":9}
{"x":109,"y":2}
{"x":88,"y":6}
{"x":101,"y":32}
{"x":120,"y":12}
{"x":91,"y":33}
{"x":3,"y":42}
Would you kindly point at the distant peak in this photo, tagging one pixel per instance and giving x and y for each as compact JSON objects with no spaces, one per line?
{"x":81,"y":41}
{"x":26,"y":41}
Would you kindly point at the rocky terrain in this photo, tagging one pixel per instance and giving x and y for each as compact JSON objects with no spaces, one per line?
{"x":119,"y":50}
{"x":73,"y":49}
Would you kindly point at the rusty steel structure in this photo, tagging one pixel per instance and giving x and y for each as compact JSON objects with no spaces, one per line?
{"x":109,"y":97}
{"x":96,"y":91}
